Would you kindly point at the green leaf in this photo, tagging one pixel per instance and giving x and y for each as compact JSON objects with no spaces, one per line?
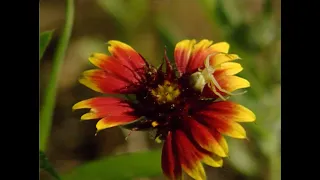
{"x":45,"y":38}
{"x":45,"y":165}
{"x":120,"y":167}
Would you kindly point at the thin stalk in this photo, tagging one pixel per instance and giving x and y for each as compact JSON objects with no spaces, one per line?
{"x":46,"y":112}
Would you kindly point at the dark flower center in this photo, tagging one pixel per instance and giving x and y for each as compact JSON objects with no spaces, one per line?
{"x":166,"y":93}
{"x":162,"y":102}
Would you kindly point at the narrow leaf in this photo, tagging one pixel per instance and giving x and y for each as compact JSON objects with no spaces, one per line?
{"x":45,"y":39}
{"x":45,"y":165}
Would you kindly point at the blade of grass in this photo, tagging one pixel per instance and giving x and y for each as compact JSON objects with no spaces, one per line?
{"x":50,"y":91}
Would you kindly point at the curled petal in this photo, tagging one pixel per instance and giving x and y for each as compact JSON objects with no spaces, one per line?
{"x":169,"y":160}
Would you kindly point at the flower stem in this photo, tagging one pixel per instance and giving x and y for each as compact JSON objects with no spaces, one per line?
{"x":46,"y":112}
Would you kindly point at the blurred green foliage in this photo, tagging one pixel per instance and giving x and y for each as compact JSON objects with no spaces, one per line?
{"x":121,"y":167}
{"x":46,"y":113}
{"x":45,"y":38}
{"x":254,"y":34}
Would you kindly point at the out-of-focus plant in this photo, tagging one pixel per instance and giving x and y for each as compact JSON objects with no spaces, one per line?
{"x":45,"y":165}
{"x":46,"y":112}
{"x":45,"y":38}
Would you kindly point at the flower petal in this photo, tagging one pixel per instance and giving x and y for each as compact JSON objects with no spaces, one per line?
{"x":122,"y":71}
{"x":98,"y":101}
{"x":227,"y":110}
{"x":111,"y":121}
{"x":222,"y":58}
{"x":204,"y":138}
{"x":228,"y":69}
{"x":182,"y":53}
{"x":232,"y":83}
{"x":101,"y":81}
{"x":169,"y":160}
{"x":223,"y":116}
{"x":189,"y":55}
{"x":115,"y":67}
{"x":126,"y":55}
{"x":224,"y":126}
{"x":101,"y":107}
{"x":221,"y":140}
{"x":220,"y":47}
{"x":189,"y":156}
{"x":200,"y":52}
{"x":213,"y":160}
{"x":227,"y":83}
{"x":113,"y":111}
{"x":234,"y":130}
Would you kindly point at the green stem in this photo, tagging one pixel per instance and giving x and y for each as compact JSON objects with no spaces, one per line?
{"x":46,"y":112}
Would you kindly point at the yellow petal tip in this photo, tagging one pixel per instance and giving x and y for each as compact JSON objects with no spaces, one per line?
{"x":214,"y":161}
{"x":88,"y":83}
{"x":78,"y":105}
{"x":246,"y":114}
{"x":88,"y":116}
{"x":102,"y":124}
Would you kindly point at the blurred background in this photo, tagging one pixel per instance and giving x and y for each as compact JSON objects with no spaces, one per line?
{"x":252,"y":27}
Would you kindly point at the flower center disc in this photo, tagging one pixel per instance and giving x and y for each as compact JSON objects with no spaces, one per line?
{"x":166,"y":93}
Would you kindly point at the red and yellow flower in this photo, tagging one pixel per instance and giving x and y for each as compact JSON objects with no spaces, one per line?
{"x":187,"y":109}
